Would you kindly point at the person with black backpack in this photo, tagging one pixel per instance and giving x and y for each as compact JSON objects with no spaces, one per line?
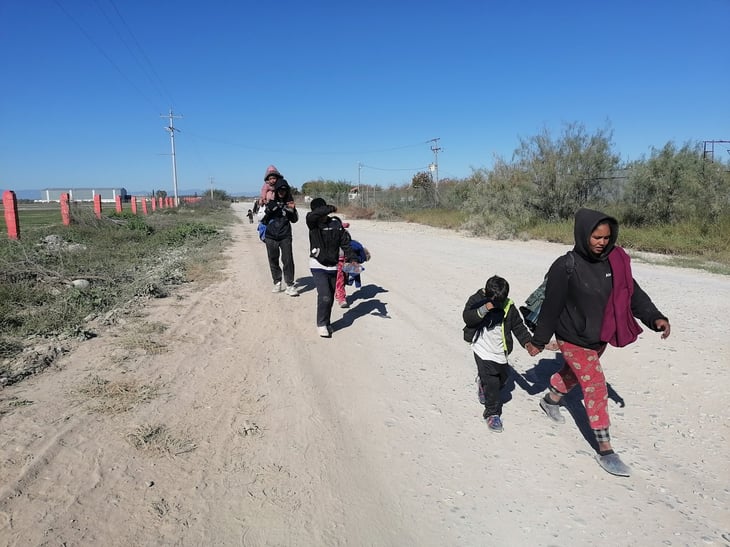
{"x":326,"y":237}
{"x":588,"y":308}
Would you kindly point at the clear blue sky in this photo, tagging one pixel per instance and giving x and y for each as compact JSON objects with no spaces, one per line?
{"x":317,"y":87}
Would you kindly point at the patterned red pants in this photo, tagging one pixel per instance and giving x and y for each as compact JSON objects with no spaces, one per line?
{"x":583,"y":367}
{"x":340,"y":294}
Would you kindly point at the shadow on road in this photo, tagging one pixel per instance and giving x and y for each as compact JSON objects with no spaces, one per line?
{"x":367,"y":306}
{"x":537,"y":379}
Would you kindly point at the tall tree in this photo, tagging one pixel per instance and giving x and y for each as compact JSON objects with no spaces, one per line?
{"x":675,"y":185}
{"x":567,"y":172}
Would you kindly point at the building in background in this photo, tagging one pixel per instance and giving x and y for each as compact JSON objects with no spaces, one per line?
{"x":108,"y":195}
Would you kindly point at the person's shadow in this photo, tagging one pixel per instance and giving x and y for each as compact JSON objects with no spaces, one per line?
{"x":367,"y":291}
{"x":537,"y":379}
{"x":368,"y":306}
{"x":305,"y":284}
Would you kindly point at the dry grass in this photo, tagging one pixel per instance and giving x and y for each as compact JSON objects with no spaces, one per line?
{"x":114,"y":397}
{"x":6,"y":405}
{"x":157,"y":439}
{"x":146,"y":337}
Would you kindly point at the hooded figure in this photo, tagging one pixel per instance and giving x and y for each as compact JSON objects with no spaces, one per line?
{"x":280,"y":212}
{"x":586,"y":308}
{"x":574,"y":304}
{"x":271,"y":176}
{"x":326,"y":238}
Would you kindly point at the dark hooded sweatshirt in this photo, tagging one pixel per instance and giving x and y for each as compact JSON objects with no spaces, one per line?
{"x":574,"y":303}
{"x":278,"y":217}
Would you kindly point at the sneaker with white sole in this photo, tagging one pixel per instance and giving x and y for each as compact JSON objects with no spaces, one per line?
{"x":323,"y":331}
{"x":552,"y":411}
{"x":277,"y":287}
{"x":291,"y":290}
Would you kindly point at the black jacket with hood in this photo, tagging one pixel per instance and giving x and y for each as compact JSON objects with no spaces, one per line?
{"x":327,"y":236}
{"x":511,"y":322}
{"x":278,"y":217}
{"x":575,"y":302}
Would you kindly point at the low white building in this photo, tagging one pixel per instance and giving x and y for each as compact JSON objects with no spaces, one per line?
{"x":108,"y":195}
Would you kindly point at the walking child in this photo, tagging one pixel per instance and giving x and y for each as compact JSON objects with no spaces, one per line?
{"x":343,"y":278}
{"x":491,"y":318}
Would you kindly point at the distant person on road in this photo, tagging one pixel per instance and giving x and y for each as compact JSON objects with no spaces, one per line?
{"x":592,"y":306}
{"x":490,"y":319}
{"x":279,"y":214}
{"x":326,"y":238}
{"x":250,"y":216}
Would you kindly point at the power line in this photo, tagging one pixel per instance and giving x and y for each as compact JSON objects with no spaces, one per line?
{"x":157,"y":80}
{"x":103,"y":53}
{"x":295,"y":152}
{"x":394,"y":169}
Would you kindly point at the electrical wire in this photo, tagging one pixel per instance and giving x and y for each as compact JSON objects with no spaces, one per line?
{"x":394,"y":169}
{"x":104,"y":54}
{"x":156,"y":81}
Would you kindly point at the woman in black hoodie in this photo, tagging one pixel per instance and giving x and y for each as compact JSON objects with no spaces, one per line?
{"x":587,"y":306}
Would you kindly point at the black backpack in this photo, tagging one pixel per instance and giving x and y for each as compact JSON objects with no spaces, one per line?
{"x":531,"y":310}
{"x":325,"y":240}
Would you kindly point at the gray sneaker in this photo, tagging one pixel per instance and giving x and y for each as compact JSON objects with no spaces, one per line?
{"x":552,"y":411}
{"x":613,"y":464}
{"x":291,"y":290}
{"x":277,"y":287}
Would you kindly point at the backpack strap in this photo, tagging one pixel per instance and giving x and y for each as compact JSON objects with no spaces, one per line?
{"x":569,"y":262}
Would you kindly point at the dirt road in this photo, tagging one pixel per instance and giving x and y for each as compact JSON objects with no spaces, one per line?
{"x":219,"y":417}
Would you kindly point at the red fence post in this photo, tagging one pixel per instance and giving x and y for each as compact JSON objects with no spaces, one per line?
{"x":65,"y":209}
{"x":153,"y":201}
{"x":144,"y":206}
{"x":97,"y":206}
{"x":118,"y":201}
{"x":134,"y":205}
{"x":10,"y":203}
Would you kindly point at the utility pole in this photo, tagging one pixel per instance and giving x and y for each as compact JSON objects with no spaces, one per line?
{"x":171,"y":129}
{"x":359,"y":195}
{"x":211,"y":188}
{"x":434,"y":167}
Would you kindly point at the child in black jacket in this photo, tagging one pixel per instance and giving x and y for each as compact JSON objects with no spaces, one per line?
{"x":491,"y":318}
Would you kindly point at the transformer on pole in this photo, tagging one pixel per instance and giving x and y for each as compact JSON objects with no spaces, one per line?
{"x":171,"y":129}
